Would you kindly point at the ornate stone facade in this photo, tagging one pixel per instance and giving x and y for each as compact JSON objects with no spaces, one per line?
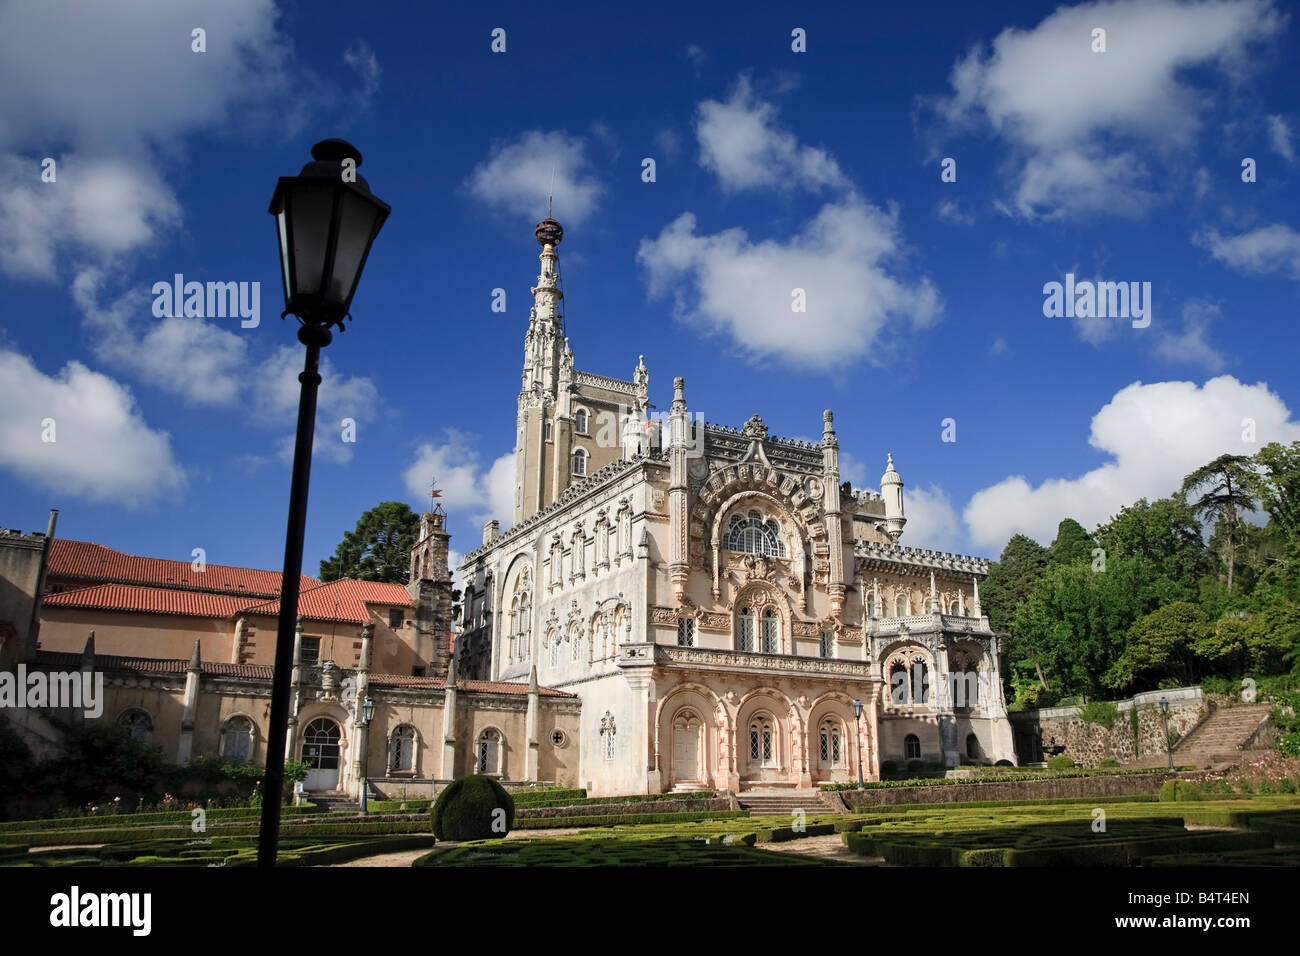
{"x":718,"y":599}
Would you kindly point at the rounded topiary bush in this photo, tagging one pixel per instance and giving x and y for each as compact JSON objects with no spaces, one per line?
{"x":1179,"y":790}
{"x":473,"y":808}
{"x":889,"y":766}
{"x":915,"y":766}
{"x":1108,"y":762}
{"x":1060,"y":762}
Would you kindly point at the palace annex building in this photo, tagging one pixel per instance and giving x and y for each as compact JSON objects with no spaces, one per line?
{"x":677,"y":605}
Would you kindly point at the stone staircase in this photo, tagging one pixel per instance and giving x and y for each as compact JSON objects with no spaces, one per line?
{"x":1219,"y":741}
{"x":334,"y":801}
{"x":781,"y":803}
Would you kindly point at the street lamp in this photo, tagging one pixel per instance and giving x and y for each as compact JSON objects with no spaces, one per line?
{"x":857,"y":736}
{"x":1164,"y":717}
{"x":326,"y":219}
{"x":367,"y":715}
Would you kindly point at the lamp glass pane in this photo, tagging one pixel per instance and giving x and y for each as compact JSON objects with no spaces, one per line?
{"x":281,"y":224}
{"x":310,"y":206}
{"x":356,"y":229}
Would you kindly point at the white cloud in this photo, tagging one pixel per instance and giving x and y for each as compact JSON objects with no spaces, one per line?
{"x":516,"y":176}
{"x":931,"y":519}
{"x":1153,"y":435}
{"x":467,"y":487}
{"x":1077,"y":120}
{"x":1190,"y":345}
{"x":96,"y":208}
{"x":1268,"y":249}
{"x":362,"y":59}
{"x":1279,"y":137}
{"x":196,"y":360}
{"x":108,"y":90}
{"x":275,"y":393}
{"x":728,"y":284}
{"x":103,"y":450}
{"x":741,"y":144}
{"x":951,"y":212}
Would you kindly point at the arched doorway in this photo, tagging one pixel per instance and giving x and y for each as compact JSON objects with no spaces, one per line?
{"x":687,"y":730}
{"x":320,"y":752}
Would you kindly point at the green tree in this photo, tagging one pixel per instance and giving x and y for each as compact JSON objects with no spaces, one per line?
{"x":1277,"y":482}
{"x":1161,"y":644}
{"x":1072,"y":543}
{"x":1222,"y":489}
{"x":1074,"y":623}
{"x":1011,"y":578}
{"x":380,"y":547}
{"x":1166,"y":533}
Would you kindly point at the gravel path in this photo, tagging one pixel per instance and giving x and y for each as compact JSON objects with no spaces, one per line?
{"x":829,"y":847}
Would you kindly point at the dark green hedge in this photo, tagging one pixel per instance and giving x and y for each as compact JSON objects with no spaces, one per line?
{"x":616,"y":819}
{"x":476,"y":807}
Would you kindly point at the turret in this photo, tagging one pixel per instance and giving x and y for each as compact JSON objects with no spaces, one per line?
{"x":891,"y":490}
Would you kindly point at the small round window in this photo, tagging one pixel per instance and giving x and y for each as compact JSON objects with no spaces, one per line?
{"x":559,"y":738}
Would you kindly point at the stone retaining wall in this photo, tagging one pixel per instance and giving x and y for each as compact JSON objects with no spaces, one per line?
{"x":1109,"y":785}
{"x":1090,"y":743}
{"x":640,"y":806}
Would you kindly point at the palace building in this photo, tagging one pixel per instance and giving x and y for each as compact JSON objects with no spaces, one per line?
{"x":729,"y":612}
{"x":677,"y":605}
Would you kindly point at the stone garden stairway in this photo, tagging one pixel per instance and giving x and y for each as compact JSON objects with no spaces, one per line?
{"x":1217,"y":742}
{"x":781,"y":803}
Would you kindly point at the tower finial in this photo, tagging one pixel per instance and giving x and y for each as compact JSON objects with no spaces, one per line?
{"x":550,"y":193}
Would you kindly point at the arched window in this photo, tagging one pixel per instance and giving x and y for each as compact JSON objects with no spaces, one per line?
{"x":401,"y":750}
{"x":920,"y":683}
{"x":762,"y":742}
{"x":827,"y":645}
{"x":575,"y":638}
{"x":602,"y":541}
{"x":624,"y":531}
{"x":871,"y":605}
{"x":686,"y":632}
{"x":973,"y":747}
{"x":607,"y":732}
{"x":320,"y":744}
{"x":771,"y":632}
{"x":831,"y":751}
{"x":912,"y":747}
{"x":750,"y":534}
{"x":580,"y":421}
{"x":489,"y":751}
{"x":580,"y":461}
{"x":237,"y":740}
{"x":745,"y":624}
{"x":553,"y":641}
{"x":137,"y":724}
{"x":900,"y":606}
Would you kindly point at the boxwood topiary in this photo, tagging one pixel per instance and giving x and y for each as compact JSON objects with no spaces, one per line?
{"x":467,"y":810}
{"x":1179,"y":790}
{"x":1060,"y":762}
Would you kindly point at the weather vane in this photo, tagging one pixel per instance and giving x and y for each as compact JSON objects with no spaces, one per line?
{"x":434,"y":493}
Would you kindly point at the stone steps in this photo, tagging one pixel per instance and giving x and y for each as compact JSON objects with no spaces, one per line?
{"x":781,"y":804}
{"x":1217,"y":742}
{"x":334,"y":801}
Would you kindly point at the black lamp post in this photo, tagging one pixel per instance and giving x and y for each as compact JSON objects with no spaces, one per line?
{"x":326,"y":219}
{"x":857,"y":736}
{"x":1164,"y":718}
{"x":367,"y":715}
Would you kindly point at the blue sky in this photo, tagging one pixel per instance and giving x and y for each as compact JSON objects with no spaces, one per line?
{"x":774,"y":170}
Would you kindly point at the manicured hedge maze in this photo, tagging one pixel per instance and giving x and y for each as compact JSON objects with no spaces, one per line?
{"x":612,"y":851}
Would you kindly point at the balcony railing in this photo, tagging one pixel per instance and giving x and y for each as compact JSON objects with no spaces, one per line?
{"x":728,"y":660}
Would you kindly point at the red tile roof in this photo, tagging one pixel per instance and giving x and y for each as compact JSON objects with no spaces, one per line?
{"x":344,"y":600}
{"x":151,"y":665}
{"x":476,"y":686}
{"x":341,"y":601}
{"x":96,"y":563}
{"x":130,"y":597}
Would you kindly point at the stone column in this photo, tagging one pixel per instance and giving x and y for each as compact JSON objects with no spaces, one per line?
{"x":447,"y":770}
{"x":532,"y":757}
{"x":361,"y":765}
{"x":295,"y":691}
{"x":191,"y":706}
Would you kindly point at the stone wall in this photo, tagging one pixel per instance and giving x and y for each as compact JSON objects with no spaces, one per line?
{"x":1090,"y":743}
{"x":1111,"y":785}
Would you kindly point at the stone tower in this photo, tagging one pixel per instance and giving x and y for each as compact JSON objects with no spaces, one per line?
{"x":429,"y":585}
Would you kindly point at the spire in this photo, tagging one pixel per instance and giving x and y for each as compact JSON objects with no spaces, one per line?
{"x":891,"y":490}
{"x":194,"y":658}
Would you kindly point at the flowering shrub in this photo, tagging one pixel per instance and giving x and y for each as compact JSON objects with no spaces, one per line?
{"x":1271,"y":772}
